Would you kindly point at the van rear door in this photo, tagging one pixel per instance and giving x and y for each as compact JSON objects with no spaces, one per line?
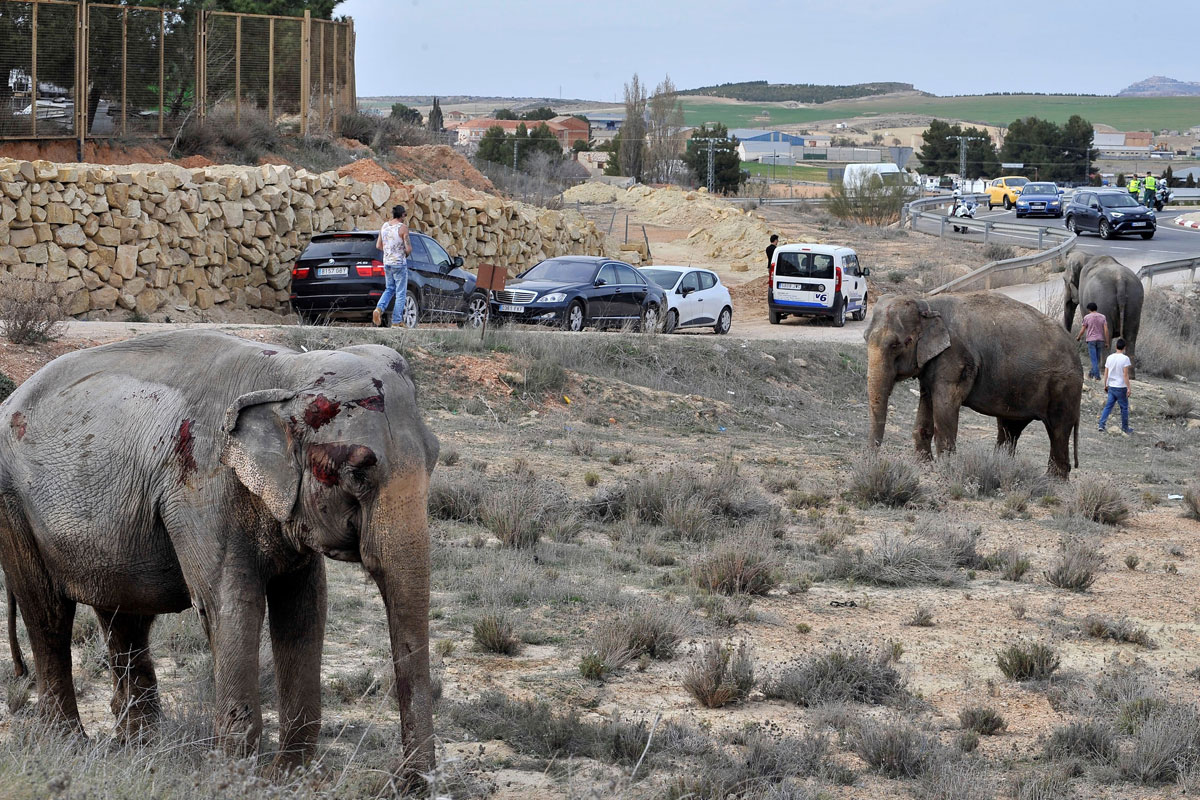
{"x":804,"y":279}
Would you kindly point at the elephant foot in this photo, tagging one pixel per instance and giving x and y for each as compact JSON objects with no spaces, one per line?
{"x":284,"y":764}
{"x":137,"y":723}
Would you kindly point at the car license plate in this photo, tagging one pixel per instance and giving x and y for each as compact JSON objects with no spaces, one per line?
{"x":795,"y":287}
{"x":1139,"y":224}
{"x":512,"y":309}
{"x":332,"y":272}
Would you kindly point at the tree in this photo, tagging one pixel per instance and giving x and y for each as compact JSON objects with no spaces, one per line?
{"x":727,"y":166}
{"x":877,"y":139}
{"x":632,"y":154}
{"x":939,"y":153}
{"x":406,"y":114}
{"x":435,"y":122}
{"x":1190,"y":183}
{"x":1121,"y":180}
{"x":613,"y":147}
{"x":664,"y":133}
{"x":540,"y":113}
{"x":580,"y":146}
{"x":1051,"y":152}
{"x":541,"y":140}
{"x":1169,"y":177}
{"x":504,"y":113}
{"x":493,"y":146}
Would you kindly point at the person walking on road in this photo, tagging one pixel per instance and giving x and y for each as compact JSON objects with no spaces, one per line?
{"x":1095,"y":327}
{"x":1149,"y":190}
{"x":1116,"y":383}
{"x":771,"y":248}
{"x":394,"y":242}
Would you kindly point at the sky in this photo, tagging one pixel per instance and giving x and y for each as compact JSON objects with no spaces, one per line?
{"x":588,"y":50}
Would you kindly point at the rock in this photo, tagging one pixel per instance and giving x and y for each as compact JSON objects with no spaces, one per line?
{"x":148,"y":301}
{"x":70,"y":236}
{"x":127,"y":261}
{"x":22,"y":237}
{"x":104,"y":298}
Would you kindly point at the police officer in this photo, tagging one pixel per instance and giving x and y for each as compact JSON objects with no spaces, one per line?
{"x":1134,"y":187}
{"x":1150,"y":193}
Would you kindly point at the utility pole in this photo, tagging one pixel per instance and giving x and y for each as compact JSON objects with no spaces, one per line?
{"x":962,"y":154}
{"x":515,"y":141}
{"x":711,"y":177}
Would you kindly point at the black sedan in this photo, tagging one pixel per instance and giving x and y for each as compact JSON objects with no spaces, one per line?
{"x":574,"y":292}
{"x":340,"y":275}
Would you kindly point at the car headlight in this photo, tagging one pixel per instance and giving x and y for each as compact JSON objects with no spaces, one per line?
{"x":1053,"y":202}
{"x":1150,"y":212}
{"x":1118,"y":213}
{"x":553,"y":297}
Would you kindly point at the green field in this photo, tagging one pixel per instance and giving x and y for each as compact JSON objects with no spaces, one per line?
{"x":1123,"y":113}
{"x":795,"y":173}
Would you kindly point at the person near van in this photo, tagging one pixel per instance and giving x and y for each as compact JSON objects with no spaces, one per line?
{"x":1095,"y":327}
{"x":1149,"y":190}
{"x":394,"y":242}
{"x":1116,"y":383}
{"x":1134,"y":186}
{"x":771,"y":248}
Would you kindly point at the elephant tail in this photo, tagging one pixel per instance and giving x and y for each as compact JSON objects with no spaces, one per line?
{"x":14,"y":645}
{"x":1121,"y":303}
{"x":1076,"y":433}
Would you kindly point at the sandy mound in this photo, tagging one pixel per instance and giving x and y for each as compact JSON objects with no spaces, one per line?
{"x":195,"y":162}
{"x":431,"y":163}
{"x":750,"y":298}
{"x":592,"y":193}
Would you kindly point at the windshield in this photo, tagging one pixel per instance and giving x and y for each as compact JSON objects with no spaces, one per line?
{"x":1118,"y":201}
{"x":342,"y":246}
{"x":562,"y":271}
{"x":663,"y":277}
{"x":1040,"y":188}
{"x":1017,"y":181}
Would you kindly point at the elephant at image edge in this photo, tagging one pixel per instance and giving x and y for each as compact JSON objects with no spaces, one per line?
{"x":199,"y":469}
{"x":987,"y":352}
{"x":1116,"y":291}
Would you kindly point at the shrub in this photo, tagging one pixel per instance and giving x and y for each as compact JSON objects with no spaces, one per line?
{"x":894,"y":561}
{"x":720,"y":675}
{"x":998,"y":252}
{"x":991,"y":470}
{"x":1076,"y":566}
{"x":1191,"y":501}
{"x":652,"y":629}
{"x":1041,"y":786}
{"x":738,"y":565}
{"x":7,"y":387}
{"x":351,"y":687}
{"x":870,"y":201}
{"x":947,"y":780}
{"x":766,"y":770}
{"x":518,"y":511}
{"x":1092,"y":741}
{"x":1179,"y":405}
{"x":984,"y":720}
{"x":922,"y":617}
{"x":1098,"y":500}
{"x":849,"y":674}
{"x":545,"y":375}
{"x":896,"y":748}
{"x":456,"y":498}
{"x":1169,"y":339}
{"x":1033,"y":662}
{"x":29,"y":311}
{"x":1011,"y":562}
{"x":884,"y":480}
{"x":1121,"y":630}
{"x":1165,"y":747}
{"x":493,"y":633}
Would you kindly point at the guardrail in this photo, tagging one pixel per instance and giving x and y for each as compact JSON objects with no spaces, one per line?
{"x":1148,"y":272}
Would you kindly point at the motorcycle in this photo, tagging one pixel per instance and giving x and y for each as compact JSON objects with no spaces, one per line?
{"x":1162,"y":195}
{"x":962,"y":209}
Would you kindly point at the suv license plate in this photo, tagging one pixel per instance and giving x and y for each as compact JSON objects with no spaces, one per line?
{"x":332,"y":272}
{"x":794,"y":287}
{"x":1139,"y":224}
{"x":512,"y":309}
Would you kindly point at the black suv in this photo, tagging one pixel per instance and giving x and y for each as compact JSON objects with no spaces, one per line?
{"x":1109,"y":213}
{"x":340,"y":275}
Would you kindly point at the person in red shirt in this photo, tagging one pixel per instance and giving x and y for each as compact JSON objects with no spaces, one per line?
{"x":1095,"y":326}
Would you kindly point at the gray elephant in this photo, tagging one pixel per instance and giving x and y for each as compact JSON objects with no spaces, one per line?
{"x":987,"y":352}
{"x":1116,"y":291}
{"x":201,"y":470}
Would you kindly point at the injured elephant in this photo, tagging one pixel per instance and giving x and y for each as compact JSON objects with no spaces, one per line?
{"x":988,"y":352}
{"x":201,"y":470}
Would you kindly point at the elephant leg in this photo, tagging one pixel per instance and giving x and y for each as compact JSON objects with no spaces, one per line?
{"x":235,"y":627}
{"x":1060,"y":450}
{"x":923,"y":430}
{"x":297,"y":607}
{"x":48,"y":619}
{"x":946,"y":407}
{"x":1008,"y":431}
{"x":135,"y":686}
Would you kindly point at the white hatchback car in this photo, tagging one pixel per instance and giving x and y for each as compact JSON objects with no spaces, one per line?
{"x":696,"y":298}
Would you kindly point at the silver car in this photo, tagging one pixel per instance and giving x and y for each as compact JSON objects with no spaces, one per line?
{"x":696,"y":298}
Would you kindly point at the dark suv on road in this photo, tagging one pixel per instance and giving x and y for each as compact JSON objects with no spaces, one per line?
{"x":1109,"y":213}
{"x":340,"y":276}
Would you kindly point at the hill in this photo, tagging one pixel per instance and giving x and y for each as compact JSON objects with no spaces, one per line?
{"x":761,"y":91}
{"x":1159,"y":86}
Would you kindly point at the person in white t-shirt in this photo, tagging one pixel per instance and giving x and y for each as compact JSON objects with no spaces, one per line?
{"x":1116,"y":383}
{"x":393,"y":241}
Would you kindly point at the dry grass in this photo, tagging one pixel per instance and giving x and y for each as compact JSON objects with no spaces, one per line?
{"x":984,"y":720}
{"x":1076,"y":566}
{"x":1028,"y":662}
{"x":896,"y":749}
{"x":720,"y":675}
{"x":884,"y":480}
{"x":739,"y":564}
{"x":29,"y":311}
{"x":842,"y":675}
{"x":1098,"y":500}
{"x":896,"y":561}
{"x":1120,"y":630}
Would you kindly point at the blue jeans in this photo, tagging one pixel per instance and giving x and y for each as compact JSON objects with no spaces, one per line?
{"x":1120,"y":396}
{"x":396,"y":277}
{"x":1096,"y":351}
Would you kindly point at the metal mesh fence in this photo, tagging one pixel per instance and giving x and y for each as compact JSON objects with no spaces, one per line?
{"x":100,"y":70}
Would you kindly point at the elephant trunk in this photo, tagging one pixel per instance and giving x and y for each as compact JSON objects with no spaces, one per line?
{"x":880,"y":380}
{"x":395,"y":551}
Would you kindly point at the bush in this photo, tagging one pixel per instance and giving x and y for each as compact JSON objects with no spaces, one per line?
{"x":984,"y":720}
{"x":1165,"y":747}
{"x":1121,"y":630}
{"x":896,"y":749}
{"x":7,"y":387}
{"x":991,"y":470}
{"x":948,"y":780}
{"x":767,"y":769}
{"x":870,"y":201}
{"x":543,"y":376}
{"x":738,"y":565}
{"x":720,"y":675}
{"x":1098,"y":500}
{"x":1191,"y":501}
{"x":851,"y":674}
{"x":1012,"y":563}
{"x":518,"y":510}
{"x":457,"y":498}
{"x":922,"y":617}
{"x":1179,"y":405}
{"x":884,"y":480}
{"x":247,"y":139}
{"x":351,"y":687}
{"x":493,"y":633}
{"x":998,"y":252}
{"x":1091,"y":741}
{"x":29,"y":311}
{"x":1076,"y":566}
{"x":1033,"y":662}
{"x":894,"y":561}
{"x":1169,"y":338}
{"x":652,"y":629}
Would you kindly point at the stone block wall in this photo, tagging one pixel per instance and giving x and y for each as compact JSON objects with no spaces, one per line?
{"x":156,"y":237}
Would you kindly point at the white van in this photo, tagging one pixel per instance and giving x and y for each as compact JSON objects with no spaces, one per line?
{"x":816,"y":280}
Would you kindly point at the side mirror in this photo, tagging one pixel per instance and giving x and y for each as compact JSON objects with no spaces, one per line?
{"x":599,"y":282}
{"x":685,"y":291}
{"x":456,"y":262}
{"x":865,"y":272}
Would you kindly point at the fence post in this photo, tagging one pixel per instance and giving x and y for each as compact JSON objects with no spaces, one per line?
{"x":237,"y":69}
{"x":335,"y":89}
{"x":350,"y":43}
{"x":81,"y":71}
{"x":162,"y":66}
{"x":305,"y":70}
{"x":942,"y":231}
{"x":125,"y":71}
{"x":201,"y":56}
{"x":271,"y":70}
{"x":1041,"y":233}
{"x":33,"y":82}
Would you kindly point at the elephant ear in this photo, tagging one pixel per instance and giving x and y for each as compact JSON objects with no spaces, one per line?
{"x":934,"y":338}
{"x":260,"y":449}
{"x":1072,"y":289}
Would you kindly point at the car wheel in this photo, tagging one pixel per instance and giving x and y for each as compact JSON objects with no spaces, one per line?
{"x":1105,"y":229}
{"x":839,"y":315}
{"x":861,"y":314}
{"x":650,"y":321}
{"x":574,"y":319}
{"x":412,"y":310}
{"x":1149,"y":235}
{"x":476,"y":313}
{"x":1007,"y":203}
{"x":671,"y":322}
{"x":774,"y":317}
{"x":1071,"y":226}
{"x":724,"y":321}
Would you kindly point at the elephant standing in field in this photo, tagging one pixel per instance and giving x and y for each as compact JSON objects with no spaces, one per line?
{"x":199,"y":469}
{"x":1116,"y":291}
{"x":987,"y":352}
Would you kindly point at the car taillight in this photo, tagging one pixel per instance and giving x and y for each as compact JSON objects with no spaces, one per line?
{"x":372,"y":270}
{"x":837,"y":274}
{"x":299,"y":273}
{"x":771,"y":273}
